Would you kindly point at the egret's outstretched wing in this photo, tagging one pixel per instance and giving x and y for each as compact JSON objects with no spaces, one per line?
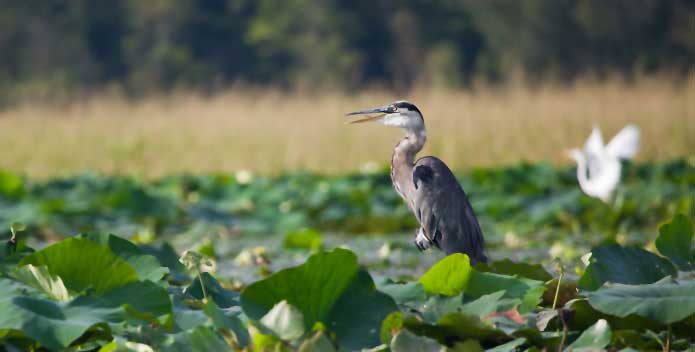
{"x":593,"y":150}
{"x":625,"y":144}
{"x":444,"y":212}
{"x":594,"y":144}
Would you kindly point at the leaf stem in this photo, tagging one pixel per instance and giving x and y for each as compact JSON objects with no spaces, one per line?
{"x":564,"y":332}
{"x":667,"y":346}
{"x":560,"y":313}
{"x":202,"y":286}
{"x":557,"y":288}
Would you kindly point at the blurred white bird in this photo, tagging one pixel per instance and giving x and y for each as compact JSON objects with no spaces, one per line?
{"x":598,"y":165}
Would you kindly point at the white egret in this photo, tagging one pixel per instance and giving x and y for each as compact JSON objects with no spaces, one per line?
{"x":598,"y":165}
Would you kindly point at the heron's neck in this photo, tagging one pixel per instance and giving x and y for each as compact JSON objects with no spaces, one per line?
{"x":408,"y":147}
{"x":403,"y":160}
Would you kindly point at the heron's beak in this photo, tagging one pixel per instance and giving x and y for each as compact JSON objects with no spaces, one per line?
{"x":380,"y":111}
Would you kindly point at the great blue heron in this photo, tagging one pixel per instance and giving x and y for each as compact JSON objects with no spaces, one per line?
{"x":430,"y":189}
{"x":602,"y":163}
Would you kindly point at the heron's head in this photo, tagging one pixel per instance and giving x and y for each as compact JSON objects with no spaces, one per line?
{"x":401,"y":114}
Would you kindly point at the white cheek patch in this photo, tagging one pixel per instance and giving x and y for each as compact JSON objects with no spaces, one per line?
{"x":395,"y":120}
{"x":404,"y":119}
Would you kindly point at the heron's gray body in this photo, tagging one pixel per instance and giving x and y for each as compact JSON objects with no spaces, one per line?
{"x":430,"y":189}
{"x":437,"y":200}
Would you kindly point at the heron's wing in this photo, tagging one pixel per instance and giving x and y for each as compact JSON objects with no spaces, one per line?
{"x":593,"y":149}
{"x":443,"y":210}
{"x":625,"y":144}
{"x":424,"y":200}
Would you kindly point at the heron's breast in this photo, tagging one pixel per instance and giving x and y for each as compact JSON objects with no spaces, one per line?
{"x":403,"y":184}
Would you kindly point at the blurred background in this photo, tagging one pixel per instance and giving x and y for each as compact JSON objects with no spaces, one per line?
{"x":218,"y":126}
{"x":197,"y":122}
{"x":154,"y":87}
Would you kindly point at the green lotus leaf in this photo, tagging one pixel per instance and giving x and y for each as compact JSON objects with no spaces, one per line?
{"x":675,"y":241}
{"x":624,"y":265}
{"x":83,"y":264}
{"x":664,"y":302}
{"x":595,"y":338}
{"x":449,"y":276}
{"x":146,"y":266}
{"x":330,"y":288}
{"x":55,"y":325}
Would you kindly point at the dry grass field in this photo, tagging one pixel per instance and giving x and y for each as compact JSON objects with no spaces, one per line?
{"x":270,"y":131}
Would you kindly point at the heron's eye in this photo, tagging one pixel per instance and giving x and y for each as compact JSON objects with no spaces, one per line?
{"x":393,"y":108}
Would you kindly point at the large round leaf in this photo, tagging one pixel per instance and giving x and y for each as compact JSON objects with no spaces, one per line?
{"x":143,"y":299}
{"x":453,"y":275}
{"x":227,"y":321}
{"x":406,"y":293}
{"x":676,"y":240}
{"x":146,"y":266}
{"x":624,"y":265}
{"x":594,"y":338}
{"x":663,"y":302}
{"x":200,"y":339}
{"x":330,"y":288}
{"x":82,"y":264}
{"x":510,"y":346}
{"x":449,"y":276}
{"x":55,"y":325}
{"x":528,"y":291}
{"x":508,"y":267}
{"x":40,"y":279}
{"x":456,"y":326}
{"x":405,"y":341}
{"x":285,"y":321}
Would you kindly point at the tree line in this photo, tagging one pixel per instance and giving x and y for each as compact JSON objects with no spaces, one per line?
{"x":142,"y":46}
